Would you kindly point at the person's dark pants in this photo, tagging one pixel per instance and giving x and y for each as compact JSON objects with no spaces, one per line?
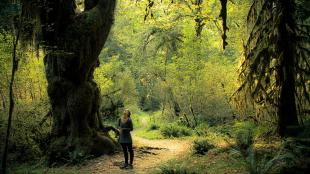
{"x":127,"y":147}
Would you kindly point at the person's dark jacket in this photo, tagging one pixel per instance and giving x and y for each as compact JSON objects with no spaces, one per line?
{"x":125,"y":128}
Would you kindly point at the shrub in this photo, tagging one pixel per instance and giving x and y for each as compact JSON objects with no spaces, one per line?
{"x":175,"y":169}
{"x":202,"y":129}
{"x":242,"y":126}
{"x":264,"y":131}
{"x":173,"y":130}
{"x":202,"y":146}
{"x":30,"y":136}
{"x":153,"y":126}
{"x":244,"y":141}
{"x":284,"y":161}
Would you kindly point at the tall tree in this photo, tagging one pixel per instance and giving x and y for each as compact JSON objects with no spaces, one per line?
{"x":276,"y":65}
{"x":72,"y":42}
{"x":8,"y":11}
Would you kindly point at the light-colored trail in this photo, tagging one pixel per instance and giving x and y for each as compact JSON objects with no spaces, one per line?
{"x":149,"y":155}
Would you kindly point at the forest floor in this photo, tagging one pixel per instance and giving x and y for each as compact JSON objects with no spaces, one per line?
{"x":149,"y":155}
{"x":155,"y":153}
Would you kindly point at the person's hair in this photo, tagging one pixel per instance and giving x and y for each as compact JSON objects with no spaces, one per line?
{"x":129,"y":113}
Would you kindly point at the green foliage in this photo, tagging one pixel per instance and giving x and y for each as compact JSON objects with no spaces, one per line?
{"x":171,"y":68}
{"x":258,"y":131}
{"x":29,"y":135}
{"x":286,"y":159}
{"x":212,"y":164}
{"x":151,"y":135}
{"x":140,"y":119}
{"x":117,"y":86}
{"x":202,"y":129}
{"x":201,"y":146}
{"x":77,"y":157}
{"x":8,"y":12}
{"x":266,"y":164}
{"x":40,"y":168}
{"x":174,"y":130}
{"x":153,"y":126}
{"x":145,"y":125}
{"x":244,"y":141}
{"x":177,"y":169}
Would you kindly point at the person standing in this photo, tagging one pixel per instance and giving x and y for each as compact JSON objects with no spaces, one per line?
{"x":125,"y":126}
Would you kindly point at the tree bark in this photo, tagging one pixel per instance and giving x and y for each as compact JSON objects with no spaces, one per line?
{"x":72,"y":50}
{"x":287,"y":111}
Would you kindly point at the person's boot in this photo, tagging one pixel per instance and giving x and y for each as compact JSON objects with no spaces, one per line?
{"x":130,"y":166}
{"x":124,"y":166}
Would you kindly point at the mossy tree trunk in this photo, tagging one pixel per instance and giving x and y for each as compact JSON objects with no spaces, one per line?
{"x":73,"y":43}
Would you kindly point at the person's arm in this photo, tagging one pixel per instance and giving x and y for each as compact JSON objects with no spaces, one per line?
{"x":130,"y":125}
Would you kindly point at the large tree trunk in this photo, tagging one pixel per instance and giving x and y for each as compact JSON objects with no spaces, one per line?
{"x":287,"y":111}
{"x":73,"y":47}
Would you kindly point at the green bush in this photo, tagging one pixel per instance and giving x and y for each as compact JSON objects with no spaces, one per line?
{"x":201,"y":146}
{"x":284,"y":160}
{"x":202,"y":129}
{"x":153,"y":126}
{"x":244,"y":141}
{"x":173,"y":130}
{"x":243,"y":125}
{"x":264,"y":131}
{"x":29,"y":138}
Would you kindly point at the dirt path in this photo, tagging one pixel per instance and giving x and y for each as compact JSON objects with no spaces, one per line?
{"x":149,"y":154}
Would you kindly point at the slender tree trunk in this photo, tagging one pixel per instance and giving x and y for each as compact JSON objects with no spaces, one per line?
{"x":287,"y":111}
{"x":192,"y":111}
{"x":187,"y":120}
{"x":194,"y":116}
{"x":11,"y":105}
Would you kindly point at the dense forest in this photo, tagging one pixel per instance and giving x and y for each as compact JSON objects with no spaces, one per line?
{"x":213,"y":86}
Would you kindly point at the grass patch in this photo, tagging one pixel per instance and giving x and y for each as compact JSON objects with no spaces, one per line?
{"x":213,"y":163}
{"x":177,"y":169}
{"x":152,"y":135}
